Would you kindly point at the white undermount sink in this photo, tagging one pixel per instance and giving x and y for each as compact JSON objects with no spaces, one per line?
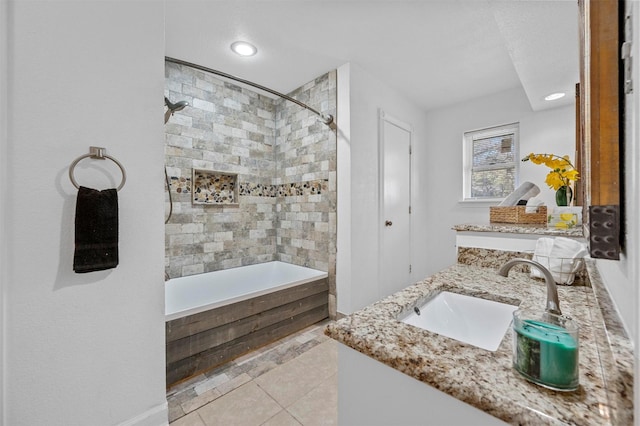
{"x":478,"y":322}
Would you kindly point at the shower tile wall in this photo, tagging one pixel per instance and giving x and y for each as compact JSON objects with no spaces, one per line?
{"x":286,"y":165}
{"x":230,"y":129}
{"x":305,"y":152}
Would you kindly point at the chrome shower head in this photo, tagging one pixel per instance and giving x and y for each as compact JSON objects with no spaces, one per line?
{"x":178,"y":106}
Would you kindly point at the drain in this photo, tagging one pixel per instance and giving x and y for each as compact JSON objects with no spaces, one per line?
{"x":416,"y":310}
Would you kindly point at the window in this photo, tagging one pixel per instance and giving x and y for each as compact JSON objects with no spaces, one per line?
{"x":490,"y":162}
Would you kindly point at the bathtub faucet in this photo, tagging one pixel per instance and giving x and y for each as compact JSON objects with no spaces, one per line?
{"x":553,"y":304}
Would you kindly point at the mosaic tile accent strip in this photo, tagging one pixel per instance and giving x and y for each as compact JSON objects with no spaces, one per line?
{"x":181,"y":185}
{"x":210,"y":187}
{"x":286,"y":190}
{"x":257,"y":189}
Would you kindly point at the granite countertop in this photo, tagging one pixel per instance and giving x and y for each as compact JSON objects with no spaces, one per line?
{"x":517,"y":228}
{"x":486,"y":379}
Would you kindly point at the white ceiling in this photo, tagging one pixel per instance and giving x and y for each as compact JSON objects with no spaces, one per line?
{"x":436,"y":53}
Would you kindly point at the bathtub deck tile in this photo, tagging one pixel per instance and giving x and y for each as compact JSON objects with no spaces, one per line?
{"x":287,"y":354}
{"x":186,"y":385}
{"x":190,"y":399}
{"x":176,"y":400}
{"x":249,"y":356}
{"x":261,"y":368}
{"x":277,"y":343}
{"x":175,"y":411}
{"x":183,"y":395}
{"x":271,"y":358}
{"x":280,"y":354}
{"x":305,"y":337}
{"x":306,"y":346}
{"x":234,"y":383}
{"x":232,"y":370}
{"x":221,"y":369}
{"x":323,"y":338}
{"x":211,"y":383}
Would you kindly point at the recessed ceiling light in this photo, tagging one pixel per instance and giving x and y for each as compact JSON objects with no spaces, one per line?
{"x":243,"y":48}
{"x":554,"y":96}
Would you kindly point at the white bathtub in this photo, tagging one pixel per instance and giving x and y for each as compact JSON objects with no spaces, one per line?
{"x":198,"y":293}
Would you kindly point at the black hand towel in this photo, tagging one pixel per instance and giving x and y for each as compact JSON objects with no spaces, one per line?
{"x":96,"y":230}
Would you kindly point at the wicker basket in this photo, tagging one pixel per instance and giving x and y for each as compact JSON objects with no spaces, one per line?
{"x":563,"y":269}
{"x":517,"y":214}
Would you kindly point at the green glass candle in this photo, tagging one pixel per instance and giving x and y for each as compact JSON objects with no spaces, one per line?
{"x":546,"y":349}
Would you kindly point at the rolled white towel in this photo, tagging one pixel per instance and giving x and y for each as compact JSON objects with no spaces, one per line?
{"x":565,"y":259}
{"x":533,"y":204}
{"x":523,"y":192}
{"x":541,"y":255}
{"x":566,"y":247}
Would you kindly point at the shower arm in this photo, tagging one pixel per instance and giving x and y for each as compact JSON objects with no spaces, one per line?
{"x":326,"y":118}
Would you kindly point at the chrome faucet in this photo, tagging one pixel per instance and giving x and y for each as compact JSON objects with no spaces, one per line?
{"x":553,"y":304}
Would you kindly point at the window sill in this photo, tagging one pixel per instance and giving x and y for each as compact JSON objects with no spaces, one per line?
{"x":480,"y":203}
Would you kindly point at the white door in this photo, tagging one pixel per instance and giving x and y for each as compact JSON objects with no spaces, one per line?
{"x":395,"y":213}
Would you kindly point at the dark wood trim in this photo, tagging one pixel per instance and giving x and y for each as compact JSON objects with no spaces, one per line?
{"x":578,"y":191}
{"x":600,"y":99}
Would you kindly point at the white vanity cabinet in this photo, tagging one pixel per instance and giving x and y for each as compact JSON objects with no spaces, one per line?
{"x":374,"y":394}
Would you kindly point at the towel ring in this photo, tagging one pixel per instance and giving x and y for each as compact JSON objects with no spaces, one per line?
{"x":97,"y":153}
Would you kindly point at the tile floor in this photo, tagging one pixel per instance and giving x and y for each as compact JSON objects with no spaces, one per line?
{"x":290,"y":382}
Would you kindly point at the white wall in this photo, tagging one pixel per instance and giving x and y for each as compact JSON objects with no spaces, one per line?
{"x":622,"y":278}
{"x":4,"y":21}
{"x":632,"y":182}
{"x":83,"y":349}
{"x":358,"y":280}
{"x":343,"y":173}
{"x":548,"y":131}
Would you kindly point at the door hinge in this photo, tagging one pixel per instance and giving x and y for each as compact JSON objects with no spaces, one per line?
{"x":409,"y":149}
{"x":409,"y":268}
{"x":625,"y":54}
{"x":409,"y":209}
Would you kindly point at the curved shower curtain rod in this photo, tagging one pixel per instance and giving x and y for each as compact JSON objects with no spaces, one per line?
{"x":326,"y":118}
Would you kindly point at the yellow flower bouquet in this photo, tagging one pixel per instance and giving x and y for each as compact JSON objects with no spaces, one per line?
{"x":562,"y":174}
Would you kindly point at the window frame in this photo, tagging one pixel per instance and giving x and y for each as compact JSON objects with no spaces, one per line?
{"x":468,"y":138}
